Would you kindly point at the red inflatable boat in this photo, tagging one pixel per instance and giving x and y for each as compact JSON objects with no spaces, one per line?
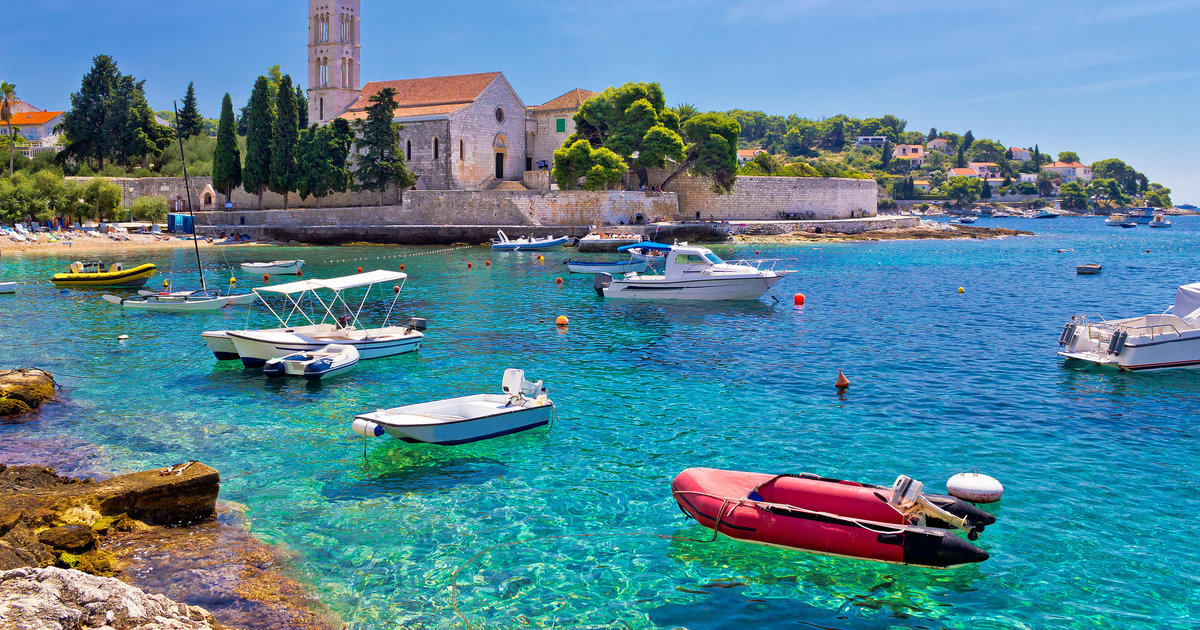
{"x":900,"y":525}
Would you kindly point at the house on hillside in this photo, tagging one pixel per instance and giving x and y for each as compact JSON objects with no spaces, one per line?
{"x":1070,"y":171}
{"x":985,"y":169}
{"x":914,"y":153}
{"x":941,"y":145}
{"x":549,"y":125}
{"x":746,"y":155}
{"x":963,"y":172}
{"x":1019,"y":154}
{"x":37,"y":128}
{"x":870,"y":141}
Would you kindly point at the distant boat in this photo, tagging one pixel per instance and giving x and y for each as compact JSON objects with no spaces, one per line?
{"x":1116,"y":219}
{"x":1160,"y":220}
{"x":1089,"y":269}
{"x":526,"y":243}
{"x":275,"y":267}
{"x":8,"y":287}
{"x":964,"y":220}
{"x":1140,"y":215}
{"x":1046,"y":214}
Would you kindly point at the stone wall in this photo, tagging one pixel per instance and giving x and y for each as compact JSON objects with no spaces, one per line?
{"x":416,"y":140}
{"x":476,"y":126}
{"x":765,"y":198}
{"x":543,"y":140}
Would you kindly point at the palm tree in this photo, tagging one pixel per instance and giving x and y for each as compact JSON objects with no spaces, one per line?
{"x":8,"y":92}
{"x":686,"y":111}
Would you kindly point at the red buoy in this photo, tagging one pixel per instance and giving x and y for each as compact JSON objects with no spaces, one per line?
{"x":842,"y":381}
{"x":468,"y":265}
{"x":487,"y":263}
{"x":402,"y":267}
{"x":558,"y":280}
{"x":395,"y":288}
{"x":799,"y":299}
{"x":266,"y":277}
{"x":360,"y":270}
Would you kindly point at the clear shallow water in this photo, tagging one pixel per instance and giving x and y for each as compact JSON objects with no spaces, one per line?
{"x":1096,"y":528}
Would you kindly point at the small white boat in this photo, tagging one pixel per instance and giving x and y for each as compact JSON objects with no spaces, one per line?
{"x":276,"y":267}
{"x":1168,"y":339}
{"x":222,"y":347}
{"x":620,"y":266}
{"x":964,"y":220}
{"x":1116,"y":219}
{"x":694,"y":273}
{"x":233,"y":299}
{"x":522,"y":406}
{"x":314,"y":365}
{"x":1160,"y":220}
{"x":8,"y":287}
{"x":169,"y":303}
{"x":1046,"y":214}
{"x":526,"y":243}
{"x":1089,"y":269}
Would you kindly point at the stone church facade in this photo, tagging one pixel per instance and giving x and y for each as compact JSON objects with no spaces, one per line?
{"x":461,"y":132}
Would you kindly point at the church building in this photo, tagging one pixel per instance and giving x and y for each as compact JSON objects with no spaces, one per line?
{"x":461,"y":132}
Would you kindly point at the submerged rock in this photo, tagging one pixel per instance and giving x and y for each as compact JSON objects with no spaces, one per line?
{"x":23,"y":390}
{"x":52,"y":599}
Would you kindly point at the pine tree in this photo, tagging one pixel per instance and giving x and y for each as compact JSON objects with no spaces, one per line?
{"x":190,"y":122}
{"x":380,"y":161}
{"x":89,"y":106}
{"x":986,"y":191}
{"x":260,"y":118}
{"x":227,"y":160}
{"x":302,"y":107}
{"x":284,"y":141}
{"x":967,"y":140}
{"x":933,"y":134}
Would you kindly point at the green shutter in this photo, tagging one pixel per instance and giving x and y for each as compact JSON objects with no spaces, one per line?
{"x":560,"y":125}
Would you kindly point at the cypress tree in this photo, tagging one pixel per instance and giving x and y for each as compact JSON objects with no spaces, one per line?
{"x":961,"y":161}
{"x":302,"y":107}
{"x":284,"y":141}
{"x":886,"y":156}
{"x":190,"y":122}
{"x":227,"y":160}
{"x":967,"y":140}
{"x":260,"y":118}
{"x":380,"y":161}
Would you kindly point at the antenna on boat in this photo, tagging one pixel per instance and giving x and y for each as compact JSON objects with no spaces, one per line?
{"x":187,"y":187}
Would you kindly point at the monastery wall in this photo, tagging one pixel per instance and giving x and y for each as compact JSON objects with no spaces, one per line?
{"x":772,"y":198}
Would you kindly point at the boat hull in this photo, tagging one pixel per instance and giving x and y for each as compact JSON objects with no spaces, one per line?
{"x":255,"y":348}
{"x":127,"y":278}
{"x":627,"y":266}
{"x":278,"y":267}
{"x":314,"y":366}
{"x":412,"y":424}
{"x":1147,"y":348}
{"x":710,"y":288}
{"x":221,"y":345}
{"x":513,"y":246}
{"x":817,"y":515}
{"x":8,"y":287}
{"x":168,"y":304}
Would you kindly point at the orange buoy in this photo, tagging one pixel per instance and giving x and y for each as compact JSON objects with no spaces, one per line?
{"x":842,"y":381}
{"x":266,"y":277}
{"x":401,"y":267}
{"x":360,"y":270}
{"x":487,"y":263}
{"x":468,"y":265}
{"x":395,"y":288}
{"x":166,"y":283}
{"x":562,"y":320}
{"x":541,"y":258}
{"x":558,"y":280}
{"x":799,"y":299}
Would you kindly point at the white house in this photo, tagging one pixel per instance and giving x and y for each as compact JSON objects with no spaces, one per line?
{"x":869,"y":141}
{"x":1070,"y":171}
{"x":985,"y":169}
{"x":940,"y":145}
{"x":963,"y":172}
{"x":745,"y":155}
{"x":1019,"y":154}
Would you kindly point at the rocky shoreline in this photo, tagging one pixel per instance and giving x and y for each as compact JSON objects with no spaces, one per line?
{"x":961,"y":232}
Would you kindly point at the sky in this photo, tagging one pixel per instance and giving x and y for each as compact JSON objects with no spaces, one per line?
{"x":1101,"y":78}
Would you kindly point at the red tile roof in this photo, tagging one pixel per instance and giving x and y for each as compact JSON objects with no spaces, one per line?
{"x":20,"y":119}
{"x":969,"y":172}
{"x":443,"y":94}
{"x":570,"y":100}
{"x":1064,"y":165}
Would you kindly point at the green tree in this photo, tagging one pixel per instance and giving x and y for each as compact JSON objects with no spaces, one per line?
{"x":985,"y":190}
{"x":1107,"y":188}
{"x":190,"y":122}
{"x":301,"y":108}
{"x":1037,"y":158}
{"x":1072,"y":195}
{"x":110,"y":119}
{"x":380,"y":161}
{"x":961,"y":160}
{"x":963,"y":190}
{"x":101,"y":198}
{"x":1112,"y":168}
{"x":260,"y":120}
{"x":1046,"y":180}
{"x":932,"y":135}
{"x":686,"y":111}
{"x":284,"y":138}
{"x":1159,"y":197}
{"x":1068,"y":156}
{"x":227,"y":159}
{"x":886,"y":155}
{"x":967,"y":140}
{"x":984,"y":150}
{"x":89,"y":108}
{"x":711,"y":150}
{"x":633,"y":122}
{"x":598,"y":169}
{"x":8,"y":94}
{"x":321,"y":160}
{"x":606,"y":172}
{"x":152,"y":209}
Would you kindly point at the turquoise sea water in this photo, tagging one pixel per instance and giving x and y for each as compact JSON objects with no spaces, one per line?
{"x":1096,"y":529}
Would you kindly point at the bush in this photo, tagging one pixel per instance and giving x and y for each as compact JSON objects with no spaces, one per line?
{"x":153,"y":209}
{"x":886,"y":204}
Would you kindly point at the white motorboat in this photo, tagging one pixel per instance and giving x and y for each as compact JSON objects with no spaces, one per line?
{"x":964,"y":220}
{"x":8,"y":287}
{"x":694,"y":273}
{"x":1089,"y":269}
{"x":526,"y":243}
{"x":169,"y":303}
{"x":222,"y":347}
{"x":523,"y":405}
{"x":1168,"y":339}
{"x":256,"y":347}
{"x":1141,"y":214}
{"x":1116,"y":219}
{"x":275,"y":267}
{"x":1160,"y":220}
{"x":596,"y":266}
{"x":329,"y":361}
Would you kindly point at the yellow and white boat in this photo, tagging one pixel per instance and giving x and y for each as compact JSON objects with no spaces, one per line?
{"x":97,"y":274}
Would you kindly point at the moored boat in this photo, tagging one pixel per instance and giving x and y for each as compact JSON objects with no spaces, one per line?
{"x":1116,"y":219}
{"x":314,"y":365}
{"x":526,"y":243}
{"x":1164,"y":340}
{"x":97,"y":274}
{"x":1160,"y":220}
{"x":901,"y":525}
{"x":1046,"y":214}
{"x":8,"y":287}
{"x":275,"y":267}
{"x":522,"y":406}
{"x":596,"y":266}
{"x":1089,"y":269}
{"x":694,"y":273}
{"x":170,"y":303}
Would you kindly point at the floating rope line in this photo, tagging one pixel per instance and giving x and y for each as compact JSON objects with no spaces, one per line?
{"x":391,"y":256}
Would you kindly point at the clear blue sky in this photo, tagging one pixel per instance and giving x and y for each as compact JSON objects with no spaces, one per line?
{"x":1102,"y":78}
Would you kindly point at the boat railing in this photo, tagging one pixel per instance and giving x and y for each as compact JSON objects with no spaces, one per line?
{"x":1116,"y":325}
{"x":766,"y":264}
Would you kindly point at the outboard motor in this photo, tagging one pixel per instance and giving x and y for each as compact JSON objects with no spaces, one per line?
{"x":518,"y":388}
{"x":417,"y":323}
{"x":601,"y":282}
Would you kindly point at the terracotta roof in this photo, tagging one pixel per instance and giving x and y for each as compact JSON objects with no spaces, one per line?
{"x":1064,"y":165}
{"x":749,"y":153}
{"x":983,"y":164}
{"x":954,"y":172}
{"x":457,"y":90}
{"x":33,"y":118}
{"x":570,"y":100}
{"x":409,"y":112}
{"x":1015,"y":149}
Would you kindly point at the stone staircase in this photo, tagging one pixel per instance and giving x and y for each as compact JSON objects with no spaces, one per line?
{"x":506,"y":185}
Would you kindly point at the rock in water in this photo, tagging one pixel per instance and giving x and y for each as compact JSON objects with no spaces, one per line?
{"x":73,"y":538}
{"x":52,"y":599}
{"x":23,"y":390}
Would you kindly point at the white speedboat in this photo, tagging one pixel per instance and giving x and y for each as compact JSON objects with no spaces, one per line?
{"x":1160,"y":220}
{"x":595,"y":266}
{"x":222,"y":347}
{"x":964,"y":220}
{"x":694,"y":273}
{"x":329,"y":361}
{"x":522,"y":406}
{"x":8,"y":287}
{"x":1168,"y":339}
{"x":169,"y":303}
{"x":275,"y":267}
{"x":1116,"y":219}
{"x":256,"y":347}
{"x":526,"y":243}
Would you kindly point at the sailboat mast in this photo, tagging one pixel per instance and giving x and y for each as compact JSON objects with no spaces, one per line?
{"x":187,"y":186}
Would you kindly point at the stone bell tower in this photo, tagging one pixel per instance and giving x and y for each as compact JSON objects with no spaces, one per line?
{"x":334,"y":29}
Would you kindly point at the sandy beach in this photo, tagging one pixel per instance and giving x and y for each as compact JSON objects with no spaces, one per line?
{"x":103,"y":244}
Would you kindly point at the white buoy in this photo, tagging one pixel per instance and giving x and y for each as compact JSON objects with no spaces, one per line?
{"x":366,"y":428}
{"x":975,"y":488}
{"x":122,"y":337}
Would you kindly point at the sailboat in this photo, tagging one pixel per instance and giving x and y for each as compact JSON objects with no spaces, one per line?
{"x":204,"y":299}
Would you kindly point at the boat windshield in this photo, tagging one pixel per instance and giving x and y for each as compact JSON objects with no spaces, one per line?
{"x":713,"y":258}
